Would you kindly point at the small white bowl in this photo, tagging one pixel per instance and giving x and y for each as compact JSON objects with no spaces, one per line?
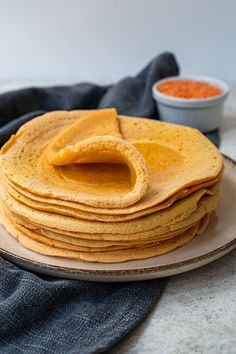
{"x":204,"y":114}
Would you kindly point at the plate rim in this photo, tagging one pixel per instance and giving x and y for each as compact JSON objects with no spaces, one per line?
{"x":125,"y":272}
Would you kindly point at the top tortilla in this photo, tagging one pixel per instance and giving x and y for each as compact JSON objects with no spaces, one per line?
{"x":177,"y":157}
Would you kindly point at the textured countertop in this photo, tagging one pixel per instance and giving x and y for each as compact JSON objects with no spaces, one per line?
{"x":197,"y":311}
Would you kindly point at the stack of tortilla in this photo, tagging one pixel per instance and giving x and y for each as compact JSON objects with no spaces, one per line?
{"x":98,"y":187}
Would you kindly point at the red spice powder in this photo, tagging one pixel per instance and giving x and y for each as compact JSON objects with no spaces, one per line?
{"x":188,"y":89}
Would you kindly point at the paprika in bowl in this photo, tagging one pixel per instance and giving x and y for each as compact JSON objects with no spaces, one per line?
{"x":196,"y":102}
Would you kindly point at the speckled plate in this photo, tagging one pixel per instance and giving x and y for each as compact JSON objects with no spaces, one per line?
{"x":217,"y":240}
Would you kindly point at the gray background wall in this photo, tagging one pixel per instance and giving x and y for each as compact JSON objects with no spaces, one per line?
{"x":103,"y":40}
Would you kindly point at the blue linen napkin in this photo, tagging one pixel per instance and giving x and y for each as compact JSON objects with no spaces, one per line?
{"x":40,"y":314}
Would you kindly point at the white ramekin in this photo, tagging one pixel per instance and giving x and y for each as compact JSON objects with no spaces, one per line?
{"x":204,"y":114}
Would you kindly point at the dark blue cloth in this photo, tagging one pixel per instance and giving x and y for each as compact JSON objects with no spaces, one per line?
{"x":40,"y":314}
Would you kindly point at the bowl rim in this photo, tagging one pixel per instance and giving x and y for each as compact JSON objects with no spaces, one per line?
{"x":210,"y":80}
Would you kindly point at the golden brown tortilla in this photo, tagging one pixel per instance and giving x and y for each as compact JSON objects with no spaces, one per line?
{"x":177,"y":157}
{"x":72,"y":209}
{"x":110,"y":256}
{"x":179,"y":211}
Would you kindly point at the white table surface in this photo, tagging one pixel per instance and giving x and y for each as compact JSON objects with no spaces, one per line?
{"x":197,"y":311}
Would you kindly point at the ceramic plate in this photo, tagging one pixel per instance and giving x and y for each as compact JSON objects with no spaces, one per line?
{"x":217,"y":240}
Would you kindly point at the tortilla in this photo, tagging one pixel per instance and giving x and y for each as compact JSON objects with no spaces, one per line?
{"x":71,"y":209}
{"x":177,"y":157}
{"x":101,"y":240}
{"x":110,"y":256}
{"x":65,"y":244}
{"x":95,"y":123}
{"x":95,"y":138}
{"x":176,"y":213}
